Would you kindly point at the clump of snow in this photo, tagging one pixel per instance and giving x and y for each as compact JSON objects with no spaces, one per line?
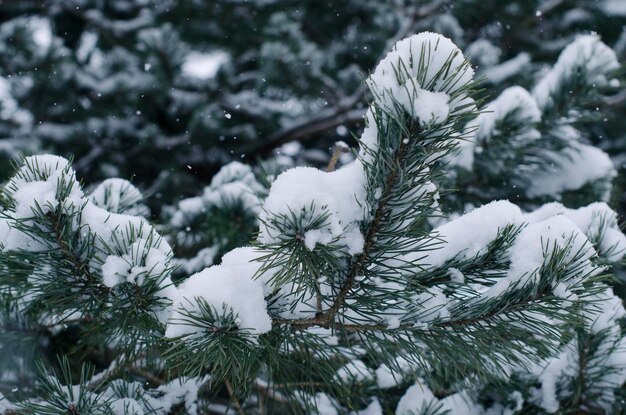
{"x":113,"y":227}
{"x":159,"y":400}
{"x":434,"y":305}
{"x":114,"y":269}
{"x":126,"y":406}
{"x":424,"y":55}
{"x":512,"y":102}
{"x":203,"y":258}
{"x":374,"y":408}
{"x":430,"y":108}
{"x":606,"y":312}
{"x":9,"y":107}
{"x":125,"y":248}
{"x":586,"y":55}
{"x":513,"y":106}
{"x":39,"y":182}
{"x":324,"y":405}
{"x":247,"y":261}
{"x":41,"y":31}
{"x":204,"y":66}
{"x":535,"y":246}
{"x":143,"y":259}
{"x":460,"y":403}
{"x":415,"y":399}
{"x":614,"y":7}
{"x":119,"y":196}
{"x":325,"y":334}
{"x":483,"y":52}
{"x":389,"y":377}
{"x":292,"y":300}
{"x":412,"y":75}
{"x":368,"y":142}
{"x":544,"y":232}
{"x":354,"y":371}
{"x":573,"y":168}
{"x":234,"y":185}
{"x":187,"y":207}
{"x":234,"y":182}
{"x":43,"y":183}
{"x":309,"y":193}
{"x":602,"y":313}
{"x":419,"y":398}
{"x":456,"y":275}
{"x":501,"y":72}
{"x":182,"y":390}
{"x":597,"y":220}
{"x":470,"y":234}
{"x":227,"y":289}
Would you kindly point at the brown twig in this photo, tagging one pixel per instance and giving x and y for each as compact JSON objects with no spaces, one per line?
{"x":233,"y":398}
{"x":341,"y":115}
{"x":338,"y":150}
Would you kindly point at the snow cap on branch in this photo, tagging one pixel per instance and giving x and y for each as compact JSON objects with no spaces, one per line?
{"x":119,"y":196}
{"x":305,"y":195}
{"x":587,"y":56}
{"x":514,"y":109}
{"x":425,"y":73}
{"x":227,"y":290}
{"x":597,"y":220}
{"x":43,"y":182}
{"x":572,"y":169}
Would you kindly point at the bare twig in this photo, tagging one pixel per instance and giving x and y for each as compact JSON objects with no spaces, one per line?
{"x":233,"y":398}
{"x":338,"y":150}
{"x":311,"y":126}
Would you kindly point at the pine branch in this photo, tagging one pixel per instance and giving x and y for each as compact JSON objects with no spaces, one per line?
{"x":79,"y":267}
{"x":326,"y":319}
{"x":372,"y":232}
{"x":356,"y":328}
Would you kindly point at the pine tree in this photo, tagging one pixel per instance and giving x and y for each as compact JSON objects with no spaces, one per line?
{"x":355,"y":297}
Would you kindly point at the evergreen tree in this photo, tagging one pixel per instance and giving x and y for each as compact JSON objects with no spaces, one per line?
{"x":355,"y":297}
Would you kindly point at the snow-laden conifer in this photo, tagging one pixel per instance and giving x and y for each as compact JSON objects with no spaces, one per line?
{"x":350,"y":268}
{"x":533,"y":147}
{"x":349,"y":300}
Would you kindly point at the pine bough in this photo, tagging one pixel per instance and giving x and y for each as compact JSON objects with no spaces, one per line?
{"x":350,"y":300}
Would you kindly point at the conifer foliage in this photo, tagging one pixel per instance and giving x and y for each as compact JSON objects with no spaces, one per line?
{"x":355,"y":297}
{"x":532,"y":147}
